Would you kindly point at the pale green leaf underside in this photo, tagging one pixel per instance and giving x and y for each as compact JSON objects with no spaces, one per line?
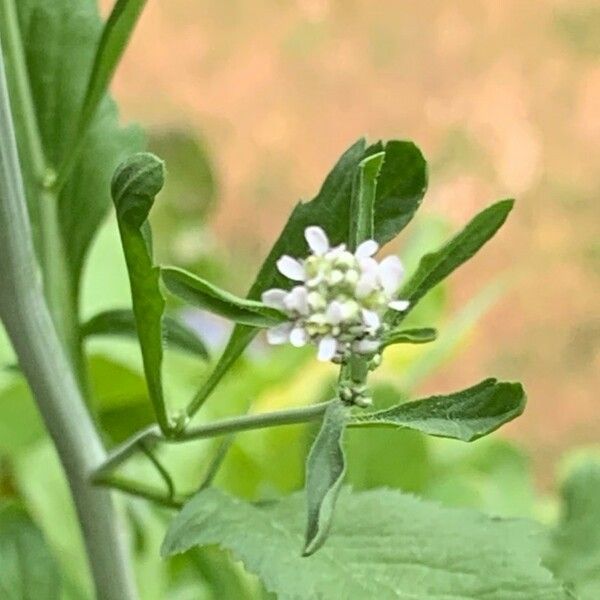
{"x":27,"y":569}
{"x":196,"y":291}
{"x":465,"y":415}
{"x":576,"y":544}
{"x":121,"y":322}
{"x":325,"y":470}
{"x":383,"y":545}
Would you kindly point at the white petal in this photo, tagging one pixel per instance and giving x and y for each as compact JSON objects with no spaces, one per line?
{"x":371,"y":319}
{"x":391,"y":272}
{"x":317,"y":240}
{"x":399,"y":304}
{"x":291,"y":268}
{"x":334,"y":313}
{"x":274,"y":298}
{"x":366,"y":249}
{"x":297,"y":300}
{"x":298,"y":337}
{"x":366,"y":284}
{"x":279,"y":334}
{"x":327,"y":348}
{"x":368,"y":265}
{"x":366,"y":346}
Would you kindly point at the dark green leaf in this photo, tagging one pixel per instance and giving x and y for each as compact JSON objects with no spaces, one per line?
{"x":325,"y":470}
{"x":576,"y":544}
{"x":400,"y":188}
{"x":418,"y":335}
{"x":362,"y":222}
{"x":27,"y":569}
{"x":59,"y":41}
{"x":198,"y":292}
{"x":121,"y":322}
{"x":384,"y":545}
{"x":465,"y":415}
{"x":134,"y":187}
{"x":112,"y":44}
{"x":436,"y":266}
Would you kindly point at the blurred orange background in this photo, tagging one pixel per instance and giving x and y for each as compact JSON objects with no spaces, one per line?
{"x":502,"y":97}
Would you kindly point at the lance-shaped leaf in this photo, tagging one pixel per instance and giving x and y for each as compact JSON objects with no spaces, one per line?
{"x":201,"y":293}
{"x":134,"y":187}
{"x":400,"y":188}
{"x":417,"y":335}
{"x":436,"y":266}
{"x":362,"y":223}
{"x":466,"y":415}
{"x":325,"y":469}
{"x":121,"y":322}
{"x":113,"y":41}
{"x":384,"y":545}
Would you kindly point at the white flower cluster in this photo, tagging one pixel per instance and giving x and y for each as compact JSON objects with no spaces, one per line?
{"x":340,"y":300}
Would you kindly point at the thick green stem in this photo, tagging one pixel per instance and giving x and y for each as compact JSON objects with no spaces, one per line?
{"x":57,"y":283}
{"x":44,"y":362}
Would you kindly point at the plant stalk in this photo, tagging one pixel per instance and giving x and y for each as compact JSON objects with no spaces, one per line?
{"x":48,"y":370}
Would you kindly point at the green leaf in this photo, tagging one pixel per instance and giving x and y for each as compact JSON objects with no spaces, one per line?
{"x":436,"y":266}
{"x":325,"y":469}
{"x":576,"y":544}
{"x":400,"y":188}
{"x":59,"y":40}
{"x":417,"y":335}
{"x":121,"y":322}
{"x":27,"y":569}
{"x":384,"y":545}
{"x":134,"y":187}
{"x":201,"y":293}
{"x":112,"y":44}
{"x":465,"y":415}
{"x":362,"y":223}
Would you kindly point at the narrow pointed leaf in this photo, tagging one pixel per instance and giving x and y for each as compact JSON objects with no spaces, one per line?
{"x":134,"y":187}
{"x":362,"y":222}
{"x":436,"y":266}
{"x":401,"y":185}
{"x":201,"y":293}
{"x":419,"y":335}
{"x":325,"y":469}
{"x":121,"y":322}
{"x":115,"y":36}
{"x":384,"y":545}
{"x":466,"y":415}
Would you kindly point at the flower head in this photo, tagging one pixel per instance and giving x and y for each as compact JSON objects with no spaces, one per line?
{"x":339,"y":298}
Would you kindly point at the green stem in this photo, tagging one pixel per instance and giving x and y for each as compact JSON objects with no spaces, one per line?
{"x":28,"y":323}
{"x":134,"y":488}
{"x":151,"y":435}
{"x":57,"y":283}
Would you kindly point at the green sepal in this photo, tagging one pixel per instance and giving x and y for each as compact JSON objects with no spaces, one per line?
{"x":466,"y":415}
{"x":199,"y":292}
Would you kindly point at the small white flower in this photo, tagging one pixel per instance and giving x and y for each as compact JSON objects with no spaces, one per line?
{"x":291,"y":268}
{"x":317,"y":240}
{"x":274,"y":298}
{"x":327,"y":348}
{"x":340,"y":299}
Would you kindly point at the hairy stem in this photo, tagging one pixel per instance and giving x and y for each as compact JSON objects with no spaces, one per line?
{"x":45,"y":364}
{"x":151,"y":435}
